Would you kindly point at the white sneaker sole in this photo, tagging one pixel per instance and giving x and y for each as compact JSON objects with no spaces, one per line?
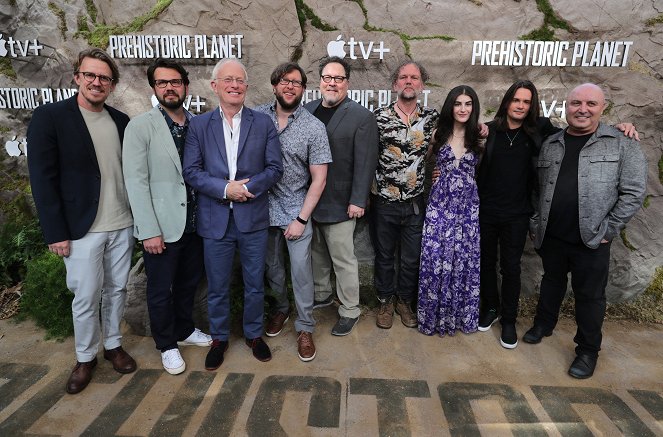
{"x":306,"y":360}
{"x":190,"y":343}
{"x":507,"y":345}
{"x":486,"y":328}
{"x":175,"y":371}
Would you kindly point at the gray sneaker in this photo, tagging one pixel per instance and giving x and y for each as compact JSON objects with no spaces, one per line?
{"x":344,"y":326}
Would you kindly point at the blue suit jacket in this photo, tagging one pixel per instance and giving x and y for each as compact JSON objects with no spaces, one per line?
{"x":206,"y":170}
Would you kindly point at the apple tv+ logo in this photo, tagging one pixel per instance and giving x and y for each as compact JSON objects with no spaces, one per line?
{"x":337,"y":48}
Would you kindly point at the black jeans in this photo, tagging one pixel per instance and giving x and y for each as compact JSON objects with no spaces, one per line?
{"x":172,"y":280}
{"x":397,"y":224}
{"x":510,"y":235}
{"x":589,"y":276}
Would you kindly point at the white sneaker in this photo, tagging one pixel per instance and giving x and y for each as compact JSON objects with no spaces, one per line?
{"x":197,"y":338}
{"x":172,"y":361}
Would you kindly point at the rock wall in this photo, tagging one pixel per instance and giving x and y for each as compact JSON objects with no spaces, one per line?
{"x":438,"y":34}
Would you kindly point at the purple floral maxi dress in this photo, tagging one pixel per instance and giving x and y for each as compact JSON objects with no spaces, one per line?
{"x":449,"y":271}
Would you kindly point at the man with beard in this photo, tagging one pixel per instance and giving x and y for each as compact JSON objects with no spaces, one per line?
{"x":76,"y":179}
{"x":405,"y":129}
{"x":353,"y":138}
{"x":164,"y":210}
{"x":305,"y":154}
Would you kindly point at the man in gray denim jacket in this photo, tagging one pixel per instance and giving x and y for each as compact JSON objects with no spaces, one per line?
{"x":591,"y":181}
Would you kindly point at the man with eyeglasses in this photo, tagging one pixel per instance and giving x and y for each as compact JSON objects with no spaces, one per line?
{"x":305,"y":153}
{"x":76,"y":177}
{"x":398,"y":200}
{"x":232,"y":157}
{"x":353,"y":138}
{"x":164,"y":210}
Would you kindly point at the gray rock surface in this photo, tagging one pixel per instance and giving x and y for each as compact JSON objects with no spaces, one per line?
{"x":272,"y":33}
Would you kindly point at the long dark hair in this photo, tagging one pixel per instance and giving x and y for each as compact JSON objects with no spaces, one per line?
{"x":445,"y":123}
{"x":530,"y":121}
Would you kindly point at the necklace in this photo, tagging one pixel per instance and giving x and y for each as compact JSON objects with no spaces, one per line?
{"x":511,"y":140}
{"x":405,"y":113}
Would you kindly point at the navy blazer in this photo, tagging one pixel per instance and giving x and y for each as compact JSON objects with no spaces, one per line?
{"x":64,"y":172}
{"x":206,"y":170}
{"x":353,"y":140}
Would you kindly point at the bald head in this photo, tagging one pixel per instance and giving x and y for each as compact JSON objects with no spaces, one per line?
{"x":584,"y":106}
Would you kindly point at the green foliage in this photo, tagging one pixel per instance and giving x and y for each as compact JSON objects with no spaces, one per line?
{"x":82,"y":24}
{"x":608,"y":107}
{"x":91,"y":10}
{"x":655,"y":20}
{"x":551,"y":21}
{"x":647,"y":201}
{"x":660,"y":170}
{"x":60,"y":14}
{"x":306,"y":13}
{"x":46,"y":298}
{"x":6,"y":68}
{"x":627,"y":243}
{"x":655,"y":287}
{"x":489,"y":111}
{"x":4,"y":129}
{"x":20,"y":241}
{"x":99,"y":36}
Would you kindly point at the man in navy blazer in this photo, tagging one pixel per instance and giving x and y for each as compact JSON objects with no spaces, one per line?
{"x":76,"y":177}
{"x":232,"y":157}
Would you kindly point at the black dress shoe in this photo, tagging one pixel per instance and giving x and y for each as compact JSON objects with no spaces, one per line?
{"x":260,"y":349}
{"x":583,"y":366}
{"x":214,"y":357}
{"x":535,"y":334}
{"x":80,"y":376}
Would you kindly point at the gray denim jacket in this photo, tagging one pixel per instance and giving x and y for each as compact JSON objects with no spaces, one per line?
{"x":612,"y":178}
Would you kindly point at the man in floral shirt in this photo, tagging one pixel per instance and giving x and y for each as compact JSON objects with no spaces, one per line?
{"x":398,"y":201}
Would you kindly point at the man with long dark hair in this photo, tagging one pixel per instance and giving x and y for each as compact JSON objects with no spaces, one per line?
{"x":505,"y":179}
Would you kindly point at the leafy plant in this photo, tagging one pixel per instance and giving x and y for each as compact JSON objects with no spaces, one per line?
{"x":46,"y":298}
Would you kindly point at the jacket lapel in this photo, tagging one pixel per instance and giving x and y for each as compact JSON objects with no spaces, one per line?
{"x":338,"y":115}
{"x":165,"y":139}
{"x":216,"y":125}
{"x":245,"y":126}
{"x":81,"y":127}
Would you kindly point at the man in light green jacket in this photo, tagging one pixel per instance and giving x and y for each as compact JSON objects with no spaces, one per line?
{"x":164,"y":209}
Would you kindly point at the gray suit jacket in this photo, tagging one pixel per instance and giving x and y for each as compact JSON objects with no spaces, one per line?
{"x":353,"y":139}
{"x":153,"y":177}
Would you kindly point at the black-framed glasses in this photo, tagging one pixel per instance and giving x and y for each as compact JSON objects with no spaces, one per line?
{"x":295,"y":83}
{"x":90,"y":77}
{"x":337,"y":79}
{"x":163,"y":83}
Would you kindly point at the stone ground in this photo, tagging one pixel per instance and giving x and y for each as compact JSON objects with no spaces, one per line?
{"x":373,"y":382}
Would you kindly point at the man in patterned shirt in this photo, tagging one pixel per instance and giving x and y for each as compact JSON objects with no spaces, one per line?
{"x":405,"y":129}
{"x":305,"y":153}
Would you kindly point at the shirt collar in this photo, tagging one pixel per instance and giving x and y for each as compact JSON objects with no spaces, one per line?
{"x":236,"y":116}
{"x":170,"y":121}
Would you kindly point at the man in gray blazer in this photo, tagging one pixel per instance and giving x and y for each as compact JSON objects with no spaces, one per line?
{"x":164,"y":208}
{"x":353,"y":139}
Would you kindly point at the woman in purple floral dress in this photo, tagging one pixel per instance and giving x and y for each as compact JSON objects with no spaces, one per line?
{"x":449,"y":271}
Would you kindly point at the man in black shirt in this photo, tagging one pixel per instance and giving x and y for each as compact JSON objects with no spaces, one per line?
{"x":592,"y":180}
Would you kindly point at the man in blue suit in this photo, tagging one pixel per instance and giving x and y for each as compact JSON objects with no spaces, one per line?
{"x":232,"y":157}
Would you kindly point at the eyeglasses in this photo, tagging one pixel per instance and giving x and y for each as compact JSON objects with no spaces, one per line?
{"x":230,"y":80}
{"x":295,"y":83}
{"x":337,"y":79}
{"x":90,"y":77}
{"x":162,"y":83}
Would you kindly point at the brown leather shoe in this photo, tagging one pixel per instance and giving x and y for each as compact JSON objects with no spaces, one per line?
{"x":275,"y":323}
{"x":385,"y":316}
{"x":305,"y":346}
{"x":407,"y":316}
{"x":80,"y":376}
{"x":122,"y":361}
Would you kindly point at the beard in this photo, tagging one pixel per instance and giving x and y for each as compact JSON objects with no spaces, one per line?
{"x":288,"y":106}
{"x":408,"y":95}
{"x":171,"y":104}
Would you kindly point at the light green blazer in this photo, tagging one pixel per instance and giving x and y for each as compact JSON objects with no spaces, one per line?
{"x":153,"y":178}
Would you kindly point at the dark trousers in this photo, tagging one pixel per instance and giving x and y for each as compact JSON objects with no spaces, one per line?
{"x":397,"y":224}
{"x":172,"y":280}
{"x":219,"y":256}
{"x":509,"y":234}
{"x":589,"y":276}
